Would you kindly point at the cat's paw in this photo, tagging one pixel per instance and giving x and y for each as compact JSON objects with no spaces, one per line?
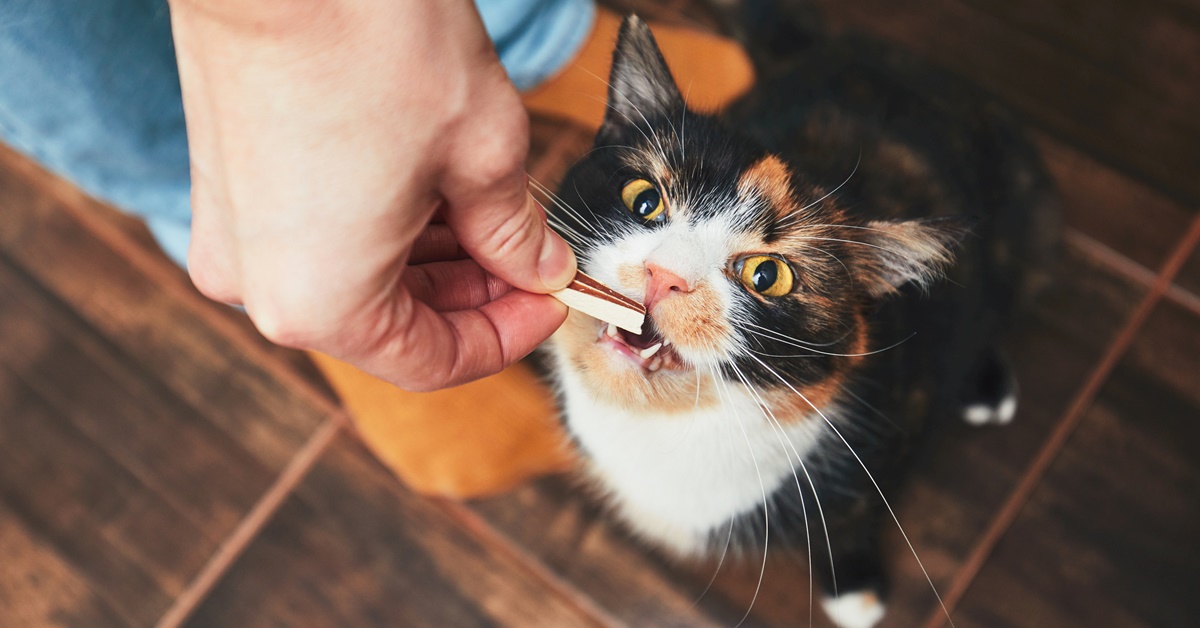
{"x":861,"y":609}
{"x":985,"y":413}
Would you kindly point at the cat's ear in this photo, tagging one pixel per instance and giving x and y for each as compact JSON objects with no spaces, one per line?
{"x":909,"y":251}
{"x":640,"y":86}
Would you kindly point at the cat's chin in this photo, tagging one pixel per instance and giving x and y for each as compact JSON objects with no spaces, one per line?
{"x":638,"y":372}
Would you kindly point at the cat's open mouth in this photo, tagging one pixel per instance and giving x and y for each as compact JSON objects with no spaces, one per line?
{"x":649,"y":350}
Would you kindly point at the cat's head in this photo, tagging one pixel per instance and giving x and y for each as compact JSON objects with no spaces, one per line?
{"x":749,"y":273}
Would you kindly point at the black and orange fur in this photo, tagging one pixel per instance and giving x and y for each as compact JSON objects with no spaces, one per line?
{"x":863,"y":161}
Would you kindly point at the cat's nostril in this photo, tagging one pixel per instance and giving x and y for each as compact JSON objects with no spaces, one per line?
{"x":661,"y":282}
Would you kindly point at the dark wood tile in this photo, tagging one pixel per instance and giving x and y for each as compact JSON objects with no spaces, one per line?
{"x":1189,"y":279}
{"x":1109,"y":537}
{"x":352,"y":547}
{"x":129,"y":541}
{"x":39,"y":587}
{"x":136,"y":434}
{"x":176,"y":339}
{"x":1168,"y":348}
{"x":559,"y":523}
{"x":124,"y":538}
{"x":1126,"y":96}
{"x":123,"y":410}
{"x":1122,"y":214}
{"x":957,"y":484}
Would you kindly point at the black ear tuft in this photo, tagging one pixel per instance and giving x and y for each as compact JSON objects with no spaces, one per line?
{"x":917,"y":251}
{"x":640,"y":85}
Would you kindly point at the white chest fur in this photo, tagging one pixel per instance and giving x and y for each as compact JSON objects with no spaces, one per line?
{"x":677,"y":477}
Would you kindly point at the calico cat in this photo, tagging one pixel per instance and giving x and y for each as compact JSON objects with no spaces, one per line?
{"x":825,"y":267}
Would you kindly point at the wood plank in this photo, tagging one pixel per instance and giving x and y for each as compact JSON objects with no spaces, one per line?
{"x":1169,"y":349}
{"x":39,"y":588}
{"x":134,"y":547}
{"x":560,"y":524}
{"x":155,"y":327}
{"x":1088,"y":102}
{"x":352,"y":547}
{"x":1124,"y":215}
{"x":124,"y":411}
{"x":1109,"y":538}
{"x":1189,"y":279}
{"x":958,"y":482}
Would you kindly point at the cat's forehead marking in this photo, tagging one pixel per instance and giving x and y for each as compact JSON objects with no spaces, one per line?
{"x":770,"y":180}
{"x":651,"y":163}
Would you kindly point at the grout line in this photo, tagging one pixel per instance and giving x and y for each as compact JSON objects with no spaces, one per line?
{"x":498,"y":542}
{"x":1134,"y":271}
{"x":251,"y":524}
{"x":1082,"y":401}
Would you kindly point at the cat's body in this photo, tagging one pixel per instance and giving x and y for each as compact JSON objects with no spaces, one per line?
{"x":798,"y":327}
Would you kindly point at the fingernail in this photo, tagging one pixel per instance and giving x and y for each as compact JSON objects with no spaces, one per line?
{"x":556,"y":263}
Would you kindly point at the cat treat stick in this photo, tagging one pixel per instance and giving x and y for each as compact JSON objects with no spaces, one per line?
{"x":601,"y":302}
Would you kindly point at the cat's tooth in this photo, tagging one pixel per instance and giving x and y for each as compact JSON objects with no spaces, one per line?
{"x":651,"y":350}
{"x":612,"y":331}
{"x":666,"y":342}
{"x":654,"y":364}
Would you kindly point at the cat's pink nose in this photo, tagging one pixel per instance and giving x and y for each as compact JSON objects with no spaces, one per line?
{"x":661,"y":284}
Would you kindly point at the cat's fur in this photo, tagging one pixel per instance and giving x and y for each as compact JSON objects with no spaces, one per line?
{"x":871,"y":183}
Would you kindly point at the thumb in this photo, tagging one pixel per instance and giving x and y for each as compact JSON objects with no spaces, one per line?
{"x":505,"y":231}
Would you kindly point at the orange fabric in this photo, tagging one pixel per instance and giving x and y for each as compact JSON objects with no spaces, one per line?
{"x":478,"y":439}
{"x":710,"y":71}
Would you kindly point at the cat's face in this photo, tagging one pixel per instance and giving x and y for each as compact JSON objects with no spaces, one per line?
{"x":748,"y":273}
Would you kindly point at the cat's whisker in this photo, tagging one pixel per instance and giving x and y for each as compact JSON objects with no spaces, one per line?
{"x":732,"y":520}
{"x":761,"y":486}
{"x":563,"y":229}
{"x":827,"y":353}
{"x":559,"y":202}
{"x":683,"y":127}
{"x":868,"y":244}
{"x":781,"y":434}
{"x":797,"y":214}
{"x":720,"y":563}
{"x":651,"y":138}
{"x":552,"y":217}
{"x":871,"y":477}
{"x":634,"y":106}
{"x":797,"y":340}
{"x":835,"y":258}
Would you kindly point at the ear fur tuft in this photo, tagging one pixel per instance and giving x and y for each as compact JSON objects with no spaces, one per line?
{"x":910,"y":251}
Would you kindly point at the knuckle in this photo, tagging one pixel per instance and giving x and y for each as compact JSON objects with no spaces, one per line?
{"x":275,"y":325}
{"x":511,"y":237}
{"x":211,"y":280}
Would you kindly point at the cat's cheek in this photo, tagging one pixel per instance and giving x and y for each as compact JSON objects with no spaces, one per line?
{"x":791,"y":406}
{"x":697,"y":324}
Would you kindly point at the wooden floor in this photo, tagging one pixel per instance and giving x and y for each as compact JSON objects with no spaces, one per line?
{"x":160,"y":462}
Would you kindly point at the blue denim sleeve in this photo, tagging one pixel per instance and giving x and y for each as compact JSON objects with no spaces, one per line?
{"x":90,"y":90}
{"x":537,"y":38}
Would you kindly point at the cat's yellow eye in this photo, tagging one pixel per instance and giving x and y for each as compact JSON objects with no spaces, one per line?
{"x":766,"y":275}
{"x":643,"y":200}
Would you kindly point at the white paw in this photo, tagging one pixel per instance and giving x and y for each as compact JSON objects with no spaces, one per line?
{"x":982,"y":413}
{"x":854,"y":610}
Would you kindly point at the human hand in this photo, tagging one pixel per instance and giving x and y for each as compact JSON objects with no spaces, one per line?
{"x":323,"y":140}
